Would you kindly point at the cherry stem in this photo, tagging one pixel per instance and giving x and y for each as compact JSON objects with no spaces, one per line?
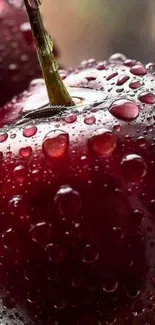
{"x":57,"y":92}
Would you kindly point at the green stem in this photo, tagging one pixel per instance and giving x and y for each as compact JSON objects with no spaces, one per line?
{"x":57,"y":92}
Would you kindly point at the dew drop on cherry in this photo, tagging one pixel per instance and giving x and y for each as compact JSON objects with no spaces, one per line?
{"x":101,"y":66}
{"x":16,"y":205}
{"x":68,"y":202}
{"x":133,"y":167}
{"x":122,"y":79}
{"x":147,"y":98}
{"x":124,"y":109}
{"x":55,"y":144}
{"x":117,"y":57}
{"x":90,"y":255}
{"x":102,"y":142}
{"x":111,"y":76}
{"x":138,"y":70}
{"x":136,"y":84}
{"x":110,"y":286}
{"x":55,"y":253}
{"x":29,"y":131}
{"x":141,"y":141}
{"x":90,"y":120}
{"x":129,"y":63}
{"x":25,"y":152}
{"x":19,"y":173}
{"x":3,"y":136}
{"x":70,"y":118}
{"x":41,"y":233}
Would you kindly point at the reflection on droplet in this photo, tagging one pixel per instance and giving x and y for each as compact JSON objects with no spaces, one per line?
{"x":124,"y":109}
{"x":147,"y":98}
{"x":133,"y":167}
{"x":16,"y":205}
{"x":138,"y":70}
{"x":136,"y":84}
{"x":55,"y":144}
{"x":70,"y":118}
{"x":117,"y":57}
{"x":110,"y":287}
{"x":102,"y":142}
{"x":122,"y":79}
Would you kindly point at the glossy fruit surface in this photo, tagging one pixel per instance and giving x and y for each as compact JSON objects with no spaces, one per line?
{"x":18,"y":59}
{"x":77,"y":198}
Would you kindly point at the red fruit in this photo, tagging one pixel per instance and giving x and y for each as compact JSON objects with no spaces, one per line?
{"x":18,"y":59}
{"x":77,"y":198}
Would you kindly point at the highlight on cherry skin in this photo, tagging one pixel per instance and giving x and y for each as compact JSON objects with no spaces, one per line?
{"x":77,"y":198}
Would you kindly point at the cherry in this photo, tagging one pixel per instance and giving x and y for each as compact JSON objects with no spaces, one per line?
{"x":77,"y":193}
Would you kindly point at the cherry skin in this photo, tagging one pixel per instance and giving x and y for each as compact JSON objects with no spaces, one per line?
{"x":77,"y":198}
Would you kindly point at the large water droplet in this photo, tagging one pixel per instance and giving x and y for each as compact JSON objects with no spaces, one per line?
{"x":70,"y":118}
{"x":102,"y":142}
{"x":29,"y":131}
{"x":41,"y":233}
{"x":3,"y":136}
{"x":133,"y":167}
{"x":122,"y":79}
{"x":147,"y":98}
{"x":138,"y":70}
{"x":90,"y":120}
{"x":68,"y":202}
{"x":101,"y":66}
{"x":136,"y":84}
{"x":129,"y":63}
{"x":55,"y":144}
{"x":117,"y":57}
{"x":90,"y":255}
{"x":19,"y":173}
{"x":55,"y":253}
{"x":25,"y":152}
{"x":17,"y":206}
{"x":124,"y":109}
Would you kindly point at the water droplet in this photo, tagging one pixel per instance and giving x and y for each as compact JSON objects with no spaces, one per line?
{"x":29,"y":131}
{"x":133,"y":167}
{"x":117,"y":128}
{"x":55,"y":144}
{"x":110,"y":287}
{"x":41,"y":233}
{"x":150,"y":66}
{"x":136,"y":84}
{"x":122,"y":79}
{"x":124,"y":109}
{"x":55,"y":253}
{"x":19,"y":173}
{"x":16,"y":205}
{"x":137,"y":216}
{"x":91,"y":77}
{"x":13,"y":69}
{"x":3,"y":136}
{"x":147,"y":98}
{"x":90,"y":120}
{"x":138,"y":70}
{"x":68,"y":202}
{"x":151,"y":206}
{"x":132,"y":292}
{"x":112,"y":75}
{"x":70,"y":118}
{"x":90,"y":255}
{"x":103,"y":142}
{"x":25,"y":28}
{"x":138,"y":308}
{"x":117,"y":57}
{"x":12,"y":136}
{"x":100,"y":66}
{"x":129,"y":63}
{"x":25,"y":152}
{"x":141,"y":141}
{"x":9,"y":239}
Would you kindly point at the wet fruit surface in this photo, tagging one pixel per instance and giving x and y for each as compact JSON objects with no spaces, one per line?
{"x":77,"y":199}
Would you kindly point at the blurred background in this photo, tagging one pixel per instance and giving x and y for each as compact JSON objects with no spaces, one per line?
{"x":98,"y":28}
